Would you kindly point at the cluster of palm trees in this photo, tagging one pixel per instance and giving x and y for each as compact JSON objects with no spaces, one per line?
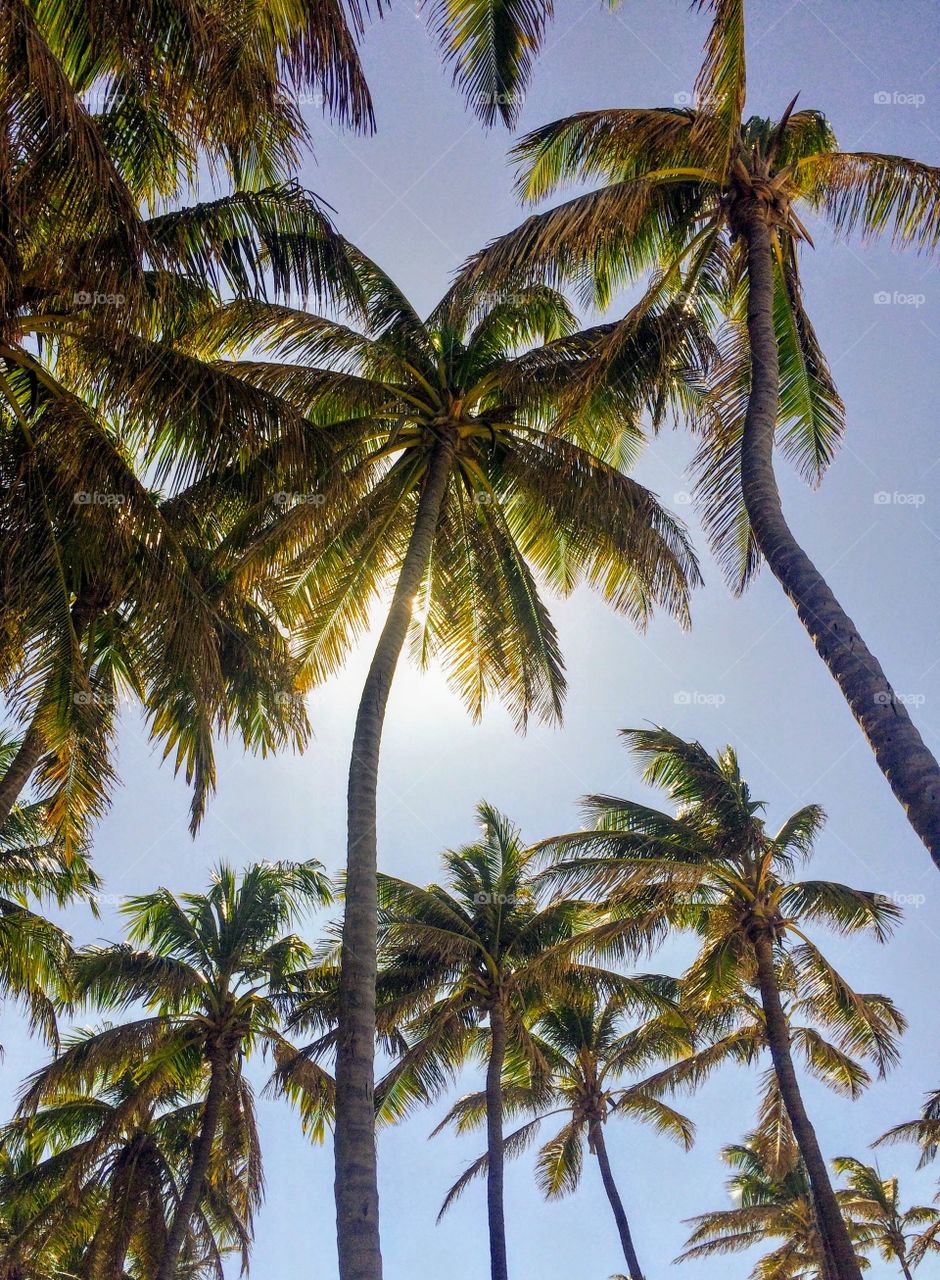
{"x":204,"y":491}
{"x":135,"y":1151}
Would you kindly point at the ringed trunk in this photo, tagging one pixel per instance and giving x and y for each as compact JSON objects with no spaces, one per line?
{"x":494,"y":1145}
{"x":196,"y":1179}
{"x":910,"y":768}
{"x":20,"y":771}
{"x":599,"y":1147}
{"x":356,"y":1172}
{"x":844,"y":1262}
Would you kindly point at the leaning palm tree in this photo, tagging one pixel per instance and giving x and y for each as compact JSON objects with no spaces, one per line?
{"x":714,"y":868}
{"x":712,"y":202}
{"x":97,"y":1173}
{"x":459,"y":492}
{"x":209,"y":974}
{"x":468,"y":966}
{"x":588,"y":1050}
{"x":900,"y":1235}
{"x":771,"y":1204}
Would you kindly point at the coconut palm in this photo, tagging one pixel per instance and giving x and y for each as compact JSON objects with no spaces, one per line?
{"x":588,"y":1050}
{"x":899,"y":1235}
{"x":97,"y":391}
{"x":35,"y":871}
{"x":770,"y":1204}
{"x":459,"y":492}
{"x":467,"y":968}
{"x":712,"y":202}
{"x":714,"y":868}
{"x":97,"y":1175}
{"x":189,"y":81}
{"x":209,"y":973}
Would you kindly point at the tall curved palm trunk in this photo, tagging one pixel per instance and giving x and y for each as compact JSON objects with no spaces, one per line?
{"x":599,"y":1147}
{"x":499,"y":1267}
{"x":356,"y":1186}
{"x":842,"y":1261}
{"x":198,"y":1170}
{"x":902,"y":756}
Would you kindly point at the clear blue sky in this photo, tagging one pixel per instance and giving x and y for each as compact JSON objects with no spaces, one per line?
{"x":430,"y":187}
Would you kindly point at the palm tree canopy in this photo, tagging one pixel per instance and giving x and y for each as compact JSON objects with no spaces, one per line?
{"x":676,"y":181}
{"x":712,"y":868}
{"x":523,"y":501}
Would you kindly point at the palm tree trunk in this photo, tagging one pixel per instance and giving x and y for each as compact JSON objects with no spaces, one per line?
{"x":356,"y":1185}
{"x":599,"y":1147}
{"x":902,"y":756}
{"x":20,"y":771}
{"x":196,"y":1180}
{"x":829,"y":1215}
{"x":494,"y":1145}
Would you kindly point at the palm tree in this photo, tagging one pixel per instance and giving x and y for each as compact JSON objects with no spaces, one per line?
{"x":209,"y":974}
{"x":899,"y":1235}
{"x":99,"y":388}
{"x":770,"y":1204}
{"x":583,"y":1040}
{"x":97,"y":1172}
{"x":206,"y":82}
{"x":35,"y":870}
{"x":713,"y":868}
{"x":710,"y":200}
{"x":457,"y":489}
{"x":925,"y":1132}
{"x":468,"y":966}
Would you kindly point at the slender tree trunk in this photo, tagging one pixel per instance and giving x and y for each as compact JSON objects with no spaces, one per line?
{"x":20,"y":771}
{"x":356,"y":1185}
{"x":196,"y":1180}
{"x":499,"y":1269}
{"x":902,"y":756}
{"x":829,"y":1215}
{"x":599,"y":1147}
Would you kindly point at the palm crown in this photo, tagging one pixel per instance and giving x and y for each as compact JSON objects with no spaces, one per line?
{"x":518,"y":497}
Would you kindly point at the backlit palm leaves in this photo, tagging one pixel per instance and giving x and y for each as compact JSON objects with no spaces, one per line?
{"x":714,"y":869}
{"x":468,"y":967}
{"x":712,"y":203}
{"x":771,"y":1205}
{"x":35,"y":872}
{"x":96,"y":1176}
{"x":904,"y":1236}
{"x":455,"y":488}
{"x":209,"y":974}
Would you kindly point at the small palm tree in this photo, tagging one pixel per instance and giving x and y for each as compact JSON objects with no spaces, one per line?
{"x":899,"y":1235}
{"x":96,"y":1174}
{"x":209,"y":974}
{"x":583,"y":1040}
{"x":713,"y":868}
{"x":712,"y":201}
{"x":770,"y":1204}
{"x":459,"y":492}
{"x":468,"y":966}
{"x":35,"y":953}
